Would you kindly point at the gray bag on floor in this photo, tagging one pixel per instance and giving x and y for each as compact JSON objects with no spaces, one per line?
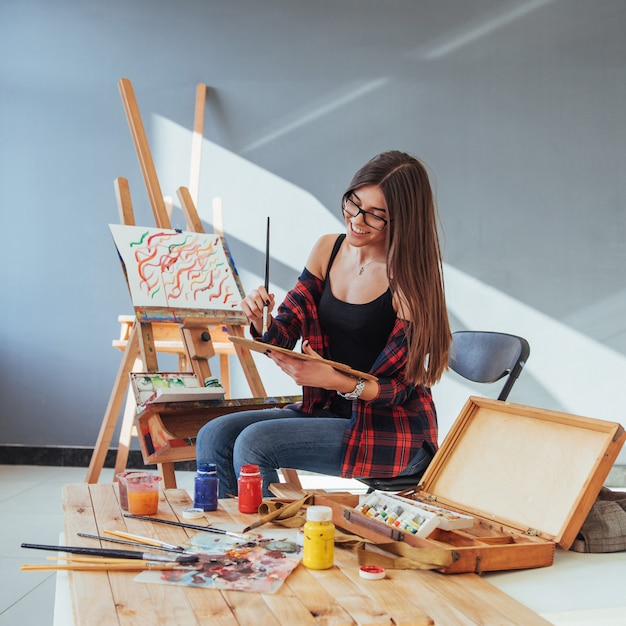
{"x":604,"y":530}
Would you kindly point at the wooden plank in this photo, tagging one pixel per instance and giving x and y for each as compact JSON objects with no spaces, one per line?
{"x":321,"y":604}
{"x":287,"y":607}
{"x":211,"y":608}
{"x":194,"y":223}
{"x":93,"y":600}
{"x":133,"y":600}
{"x":384,"y":592}
{"x":248,"y":609}
{"x":247,"y":363}
{"x":363,"y":609}
{"x":146,"y":344}
{"x":124,"y":202}
{"x":142,"y":148}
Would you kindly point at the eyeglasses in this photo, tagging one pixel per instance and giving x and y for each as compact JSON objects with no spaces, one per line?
{"x":349,"y":207}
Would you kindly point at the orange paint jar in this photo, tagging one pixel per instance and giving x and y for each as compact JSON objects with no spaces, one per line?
{"x":143,"y":494}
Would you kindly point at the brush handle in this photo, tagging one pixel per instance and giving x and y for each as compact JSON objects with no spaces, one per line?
{"x":208,"y":529}
{"x":131,"y":543}
{"x":110,"y":552}
{"x":118,"y":554}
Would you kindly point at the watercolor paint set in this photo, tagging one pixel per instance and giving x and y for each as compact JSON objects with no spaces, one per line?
{"x":403,"y":515}
{"x":150,"y":387}
{"x":447,"y":519}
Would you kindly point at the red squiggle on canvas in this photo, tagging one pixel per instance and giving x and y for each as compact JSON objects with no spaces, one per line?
{"x":187,"y":267}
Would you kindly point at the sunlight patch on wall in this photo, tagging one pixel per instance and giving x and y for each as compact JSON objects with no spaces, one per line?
{"x":581,"y":375}
{"x":585,"y":376}
{"x":249,"y":195}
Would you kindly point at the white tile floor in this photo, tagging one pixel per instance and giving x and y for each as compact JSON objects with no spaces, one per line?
{"x":579,"y":589}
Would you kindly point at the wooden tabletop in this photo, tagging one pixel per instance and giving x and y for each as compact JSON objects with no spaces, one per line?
{"x":334,"y":596}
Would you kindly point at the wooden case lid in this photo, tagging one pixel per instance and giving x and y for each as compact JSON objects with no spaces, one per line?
{"x":529,"y":469}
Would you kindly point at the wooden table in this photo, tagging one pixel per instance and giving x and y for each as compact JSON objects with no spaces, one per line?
{"x":334,"y":596}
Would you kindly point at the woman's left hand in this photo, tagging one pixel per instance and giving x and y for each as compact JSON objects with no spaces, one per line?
{"x":307,"y":373}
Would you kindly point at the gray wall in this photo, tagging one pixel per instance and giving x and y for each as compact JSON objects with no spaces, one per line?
{"x":517,"y":107}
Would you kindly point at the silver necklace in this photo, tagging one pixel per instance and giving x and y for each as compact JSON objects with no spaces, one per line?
{"x":366,"y":264}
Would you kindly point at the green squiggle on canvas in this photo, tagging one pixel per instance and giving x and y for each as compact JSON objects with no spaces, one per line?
{"x":138,"y":243}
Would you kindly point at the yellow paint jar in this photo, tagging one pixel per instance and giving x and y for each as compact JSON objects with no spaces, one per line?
{"x":319,"y":538}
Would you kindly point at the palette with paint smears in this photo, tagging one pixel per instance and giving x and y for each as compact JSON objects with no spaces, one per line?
{"x":259,"y":346}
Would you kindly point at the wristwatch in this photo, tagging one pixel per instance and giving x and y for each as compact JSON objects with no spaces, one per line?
{"x":358,"y":390}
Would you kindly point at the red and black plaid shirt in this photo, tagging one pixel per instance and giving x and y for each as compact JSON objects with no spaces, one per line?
{"x":383,"y":433}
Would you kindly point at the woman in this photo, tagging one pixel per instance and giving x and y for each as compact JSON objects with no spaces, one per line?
{"x":371,"y":298}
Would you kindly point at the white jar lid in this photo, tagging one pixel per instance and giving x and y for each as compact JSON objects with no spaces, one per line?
{"x":372,"y":572}
{"x":193,"y":513}
{"x":319,"y":514}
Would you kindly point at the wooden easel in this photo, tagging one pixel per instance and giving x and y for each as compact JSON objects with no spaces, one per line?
{"x":196,"y":333}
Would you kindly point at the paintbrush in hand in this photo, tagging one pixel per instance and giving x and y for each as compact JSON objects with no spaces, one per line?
{"x":267,"y":276}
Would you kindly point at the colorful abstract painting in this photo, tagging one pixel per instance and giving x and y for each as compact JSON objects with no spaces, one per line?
{"x":259,"y":565}
{"x":177,"y":269}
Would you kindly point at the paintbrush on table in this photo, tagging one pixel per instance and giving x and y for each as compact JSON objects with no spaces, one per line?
{"x":139,"y":544}
{"x":208,"y":529}
{"x":154,"y":543}
{"x":109,"y":565}
{"x":113,"y":553}
{"x":282,"y":512}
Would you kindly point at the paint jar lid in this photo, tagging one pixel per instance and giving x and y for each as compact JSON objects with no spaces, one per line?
{"x":319,"y":514}
{"x":192,"y":513}
{"x":372,"y":572}
{"x":207,"y":468}
{"x":250,"y":470}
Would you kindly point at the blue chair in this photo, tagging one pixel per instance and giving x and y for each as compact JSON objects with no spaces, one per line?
{"x":479,"y":356}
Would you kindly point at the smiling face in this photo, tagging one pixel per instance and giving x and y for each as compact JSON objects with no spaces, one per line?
{"x":366,"y":215}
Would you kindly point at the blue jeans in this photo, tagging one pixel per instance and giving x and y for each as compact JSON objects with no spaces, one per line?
{"x":271,"y":439}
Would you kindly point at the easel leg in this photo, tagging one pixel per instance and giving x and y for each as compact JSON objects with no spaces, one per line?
{"x":291,"y":476}
{"x":169,"y":477}
{"x":113,"y":408}
{"x":225,"y":374}
{"x":126,"y":431}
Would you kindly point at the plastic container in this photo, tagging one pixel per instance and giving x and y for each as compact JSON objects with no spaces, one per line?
{"x":250,"y":489}
{"x":205,"y":487}
{"x":123,"y":489}
{"x":319,"y":538}
{"x":143,"y":494}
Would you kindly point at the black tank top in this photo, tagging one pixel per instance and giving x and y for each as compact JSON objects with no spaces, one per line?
{"x":358,"y":332}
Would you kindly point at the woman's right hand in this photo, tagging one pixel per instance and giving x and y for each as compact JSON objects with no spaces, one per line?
{"x":253,"y":304}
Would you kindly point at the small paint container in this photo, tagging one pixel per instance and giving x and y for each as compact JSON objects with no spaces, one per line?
{"x":143,"y":494}
{"x":193,"y":513}
{"x":372,"y":572}
{"x":123,"y":487}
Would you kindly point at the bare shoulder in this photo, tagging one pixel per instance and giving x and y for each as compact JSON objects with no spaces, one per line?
{"x":401,"y":308}
{"x":320,"y":254}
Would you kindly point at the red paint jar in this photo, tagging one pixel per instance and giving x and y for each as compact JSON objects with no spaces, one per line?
{"x":250,"y":489}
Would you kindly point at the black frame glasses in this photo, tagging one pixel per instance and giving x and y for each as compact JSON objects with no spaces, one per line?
{"x":374,"y":222}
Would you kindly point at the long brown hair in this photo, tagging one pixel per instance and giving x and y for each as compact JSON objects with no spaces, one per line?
{"x":414,"y":263}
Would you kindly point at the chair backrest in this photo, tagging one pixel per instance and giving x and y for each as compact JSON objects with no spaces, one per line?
{"x":486,"y":357}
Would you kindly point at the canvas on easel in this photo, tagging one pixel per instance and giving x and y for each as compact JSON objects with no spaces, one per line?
{"x":174,"y":274}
